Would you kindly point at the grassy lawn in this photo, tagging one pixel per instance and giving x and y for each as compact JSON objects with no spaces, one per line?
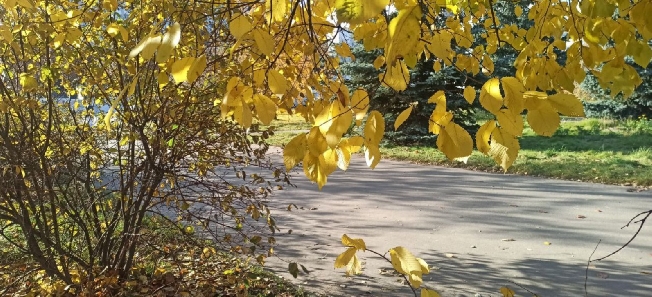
{"x":594,"y":150}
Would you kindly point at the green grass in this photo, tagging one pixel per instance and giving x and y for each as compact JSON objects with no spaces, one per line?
{"x":593,"y":150}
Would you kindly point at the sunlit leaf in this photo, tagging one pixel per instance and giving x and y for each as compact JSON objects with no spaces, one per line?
{"x":469,"y":94}
{"x":402,"y":117}
{"x":294,"y":151}
{"x":357,"y":243}
{"x":277,"y":82}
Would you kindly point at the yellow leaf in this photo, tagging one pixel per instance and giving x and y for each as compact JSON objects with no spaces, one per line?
{"x":404,"y":33}
{"x":265,"y":108}
{"x":277,"y":82}
{"x":357,"y":11}
{"x":483,"y":136}
{"x":259,"y":77}
{"x":454,"y":141}
{"x":379,"y":62}
{"x":294,"y":151}
{"x":317,"y":169}
{"x":402,"y":117}
{"x":111,"y":5}
{"x":429,"y":293}
{"x":533,"y":99}
{"x":346,"y":148}
{"x":357,"y":243}
{"x":518,"y":11}
{"x":329,"y":161}
{"x":439,"y":119}
{"x":406,"y":263}
{"x":317,"y":144}
{"x":374,"y":129}
{"x":264,"y":41}
{"x":344,"y":50}
{"x":243,"y":115}
{"x":343,"y":155}
{"x":360,"y":104}
{"x":147,"y":47}
{"x":544,"y":120}
{"x":510,"y":122}
{"x":567,"y":104}
{"x":513,"y":94}
{"x":504,"y":148}
{"x":344,"y":258}
{"x":27,"y":81}
{"x":438,"y":98}
{"x":507,"y":292}
{"x":396,"y":75}
{"x":469,"y":94}
{"x":424,"y":266}
{"x":180,"y":69}
{"x":197,"y":68}
{"x":114,"y":29}
{"x":547,"y":243}
{"x":355,"y":143}
{"x":490,"y":97}
{"x":168,"y":43}
{"x":372,"y":155}
{"x":239,"y":26}
{"x":278,"y":9}
{"x":333,"y":121}
{"x":488,"y":64}
{"x":163,"y":78}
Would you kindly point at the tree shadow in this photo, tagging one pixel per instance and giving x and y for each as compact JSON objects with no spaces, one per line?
{"x":474,"y":217}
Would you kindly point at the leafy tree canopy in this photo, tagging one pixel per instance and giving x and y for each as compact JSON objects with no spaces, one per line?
{"x":251,"y":59}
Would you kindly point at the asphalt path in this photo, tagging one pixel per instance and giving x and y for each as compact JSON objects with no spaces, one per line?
{"x":478,"y":232}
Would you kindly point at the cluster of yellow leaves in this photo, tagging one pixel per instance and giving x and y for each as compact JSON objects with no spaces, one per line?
{"x":402,"y":260}
{"x":498,"y":138}
{"x":274,"y":55}
{"x":323,"y":149}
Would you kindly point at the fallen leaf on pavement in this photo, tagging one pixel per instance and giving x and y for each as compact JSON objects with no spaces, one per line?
{"x":508,"y":239}
{"x":451,"y":256}
{"x":581,"y":217}
{"x":602,"y":275}
{"x":547,"y":243}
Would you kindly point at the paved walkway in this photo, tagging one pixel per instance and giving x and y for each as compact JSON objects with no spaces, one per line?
{"x":479,"y":231}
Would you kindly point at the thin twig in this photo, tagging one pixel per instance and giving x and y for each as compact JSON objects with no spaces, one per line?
{"x":586,"y":273}
{"x":642,"y":221}
{"x":524,"y":288}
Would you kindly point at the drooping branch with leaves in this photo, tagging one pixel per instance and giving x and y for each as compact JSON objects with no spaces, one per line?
{"x":112,"y":110}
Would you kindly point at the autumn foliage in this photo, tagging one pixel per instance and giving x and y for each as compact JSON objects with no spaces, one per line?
{"x":163,"y":95}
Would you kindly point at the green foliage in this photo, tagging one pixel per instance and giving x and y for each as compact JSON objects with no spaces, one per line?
{"x":599,"y":104}
{"x":424,"y":82}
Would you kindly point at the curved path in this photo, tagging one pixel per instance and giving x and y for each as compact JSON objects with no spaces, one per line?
{"x":478,"y":231}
